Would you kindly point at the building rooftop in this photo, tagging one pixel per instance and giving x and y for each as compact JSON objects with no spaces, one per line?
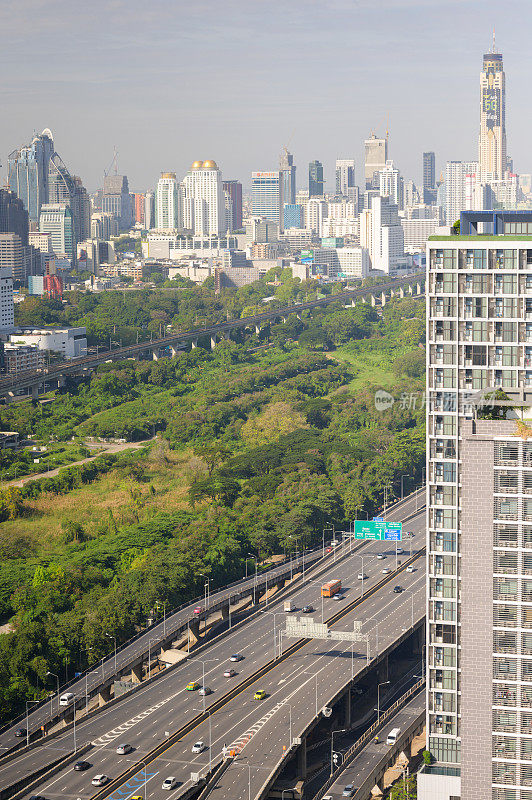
{"x":488,"y":237}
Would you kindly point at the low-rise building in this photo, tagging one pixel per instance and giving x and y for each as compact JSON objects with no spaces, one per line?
{"x":19,"y":357}
{"x":69,"y":342}
{"x":9,"y":440}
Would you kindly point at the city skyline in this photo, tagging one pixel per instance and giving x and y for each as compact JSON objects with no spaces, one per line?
{"x":393,"y":85}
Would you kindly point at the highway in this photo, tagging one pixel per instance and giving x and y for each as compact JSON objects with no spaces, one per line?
{"x":368,"y":758}
{"x":143,"y":718}
{"x":131,"y":652}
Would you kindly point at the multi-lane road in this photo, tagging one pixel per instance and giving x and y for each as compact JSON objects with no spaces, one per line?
{"x":144,"y":718}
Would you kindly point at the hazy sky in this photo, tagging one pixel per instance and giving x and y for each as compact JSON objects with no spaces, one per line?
{"x":169,"y":81}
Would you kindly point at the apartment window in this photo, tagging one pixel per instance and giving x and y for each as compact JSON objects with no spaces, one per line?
{"x":444,"y":540}
{"x":504,"y":747}
{"x":504,"y":642}
{"x":504,"y":589}
{"x":506,"y":454}
{"x":526,"y":749}
{"x":444,"y":518}
{"x":505,"y":615}
{"x":526,"y":722}
{"x":505,"y":562}
{"x":501,"y":794}
{"x":506,"y":508}
{"x":505,"y":668}
{"x":479,"y":331}
{"x":504,"y":772}
{"x":505,"y":721}
{"x":504,"y":695}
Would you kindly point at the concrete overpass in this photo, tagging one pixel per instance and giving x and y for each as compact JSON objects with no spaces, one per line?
{"x":36,"y":381}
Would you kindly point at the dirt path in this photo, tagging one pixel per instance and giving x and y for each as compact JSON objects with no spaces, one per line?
{"x":105,"y":448}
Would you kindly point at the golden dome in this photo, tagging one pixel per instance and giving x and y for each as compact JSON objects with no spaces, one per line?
{"x":197,"y":165}
{"x":210,"y":165}
{"x":168,"y":174}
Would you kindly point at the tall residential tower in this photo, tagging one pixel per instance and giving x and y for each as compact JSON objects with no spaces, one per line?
{"x":492,"y":137}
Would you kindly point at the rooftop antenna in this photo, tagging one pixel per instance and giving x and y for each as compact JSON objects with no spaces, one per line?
{"x":114,"y":163}
{"x":493,"y":50}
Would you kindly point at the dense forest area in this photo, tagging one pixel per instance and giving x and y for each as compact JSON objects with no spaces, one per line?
{"x":252,"y":447}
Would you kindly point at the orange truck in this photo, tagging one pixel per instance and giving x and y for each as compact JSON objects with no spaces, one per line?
{"x":330,"y":588}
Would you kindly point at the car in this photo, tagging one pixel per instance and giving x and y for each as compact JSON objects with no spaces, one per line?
{"x":337,"y":597}
{"x":410,"y":568}
{"x":307,"y":609}
{"x":229,"y":673}
{"x":137,"y":797}
{"x":236,"y":657}
{"x":204,"y":691}
{"x":362,"y":576}
{"x":100,"y":780}
{"x":348,"y":790}
{"x":399,"y":551}
{"x":124,"y":749}
{"x":169,"y":783}
{"x":192,"y":686}
{"x":381,"y":556}
{"x":260,"y":694}
{"x":398,"y":589}
{"x":20,"y":732}
{"x":81,"y":766}
{"x":66,"y":699}
{"x":198,"y":747}
{"x":335,"y":542}
{"x":358,"y":690}
{"x":386,"y":571}
{"x":198,"y":610}
{"x":37,"y":797}
{"x":329,"y":550}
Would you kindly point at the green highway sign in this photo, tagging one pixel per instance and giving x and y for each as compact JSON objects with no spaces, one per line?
{"x":382,"y":530}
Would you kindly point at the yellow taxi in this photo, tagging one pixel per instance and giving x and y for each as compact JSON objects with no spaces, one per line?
{"x":260,"y":695}
{"x":191,"y":687}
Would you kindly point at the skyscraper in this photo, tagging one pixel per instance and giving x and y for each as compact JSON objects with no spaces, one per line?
{"x":139,"y":199}
{"x":456,"y":179}
{"x":234,"y":190}
{"x":391,"y":184}
{"x":479,"y":537}
{"x":267,"y":195}
{"x":167,"y":206}
{"x":315,"y":179}
{"x":429,"y":170}
{"x":13,"y":215}
{"x":116,"y":200}
{"x":376,"y":156}
{"x":28,"y":169}
{"x":149,"y":211}
{"x":56,"y":219}
{"x":203,"y":200}
{"x":492,"y":137}
{"x":288,"y":170}
{"x":345,"y":176}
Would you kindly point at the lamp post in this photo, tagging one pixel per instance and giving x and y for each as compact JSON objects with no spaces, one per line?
{"x":402,"y":478}
{"x":362,"y":573}
{"x":379,"y":699}
{"x":28,"y":703}
{"x":274,"y":614}
{"x":255,"y":578}
{"x":202,"y":662}
{"x":57,"y":679}
{"x":162,"y":603}
{"x":315,"y":676}
{"x":141,"y":761}
{"x":328,"y":525}
{"x":110,"y":636}
{"x":87,"y":690}
{"x":341,"y":730}
{"x":149,"y":658}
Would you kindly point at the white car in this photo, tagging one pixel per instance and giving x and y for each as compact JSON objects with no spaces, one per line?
{"x":386,"y":571}
{"x":337,"y":597}
{"x":410,"y":568}
{"x":100,"y":780}
{"x":199,"y":747}
{"x":169,"y":783}
{"x":380,"y":556}
{"x":123,"y":749}
{"x":362,"y":576}
{"x":400,"y":550}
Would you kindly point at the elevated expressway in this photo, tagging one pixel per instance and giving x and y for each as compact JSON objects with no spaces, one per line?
{"x":35,"y":381}
{"x":312,"y":675}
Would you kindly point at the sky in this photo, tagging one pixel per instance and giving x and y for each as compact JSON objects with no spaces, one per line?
{"x":168,"y":82}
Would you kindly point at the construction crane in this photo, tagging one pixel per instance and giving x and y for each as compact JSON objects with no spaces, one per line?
{"x":113,"y":162}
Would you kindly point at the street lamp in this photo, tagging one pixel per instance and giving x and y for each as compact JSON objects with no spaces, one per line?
{"x":342,"y":730}
{"x":163,"y":604}
{"x":110,"y":636}
{"x":57,"y":679}
{"x":328,"y":525}
{"x":384,"y":683}
{"x":315,"y":676}
{"x":92,"y":672}
{"x":255,"y":578}
{"x":274,"y":614}
{"x":28,"y":703}
{"x":402,"y":477}
{"x":141,"y":761}
{"x":202,"y":662}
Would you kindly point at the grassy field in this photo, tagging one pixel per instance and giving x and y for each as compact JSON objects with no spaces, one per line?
{"x":371,"y":366}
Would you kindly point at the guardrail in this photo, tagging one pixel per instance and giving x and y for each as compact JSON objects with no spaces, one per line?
{"x":359,"y":745}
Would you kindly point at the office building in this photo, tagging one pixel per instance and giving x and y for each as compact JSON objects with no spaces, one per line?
{"x":103,"y":226}
{"x":234,"y":190}
{"x":492,"y":156}
{"x":456,"y":179}
{"x":139,"y":202}
{"x":391,"y":184}
{"x":21,"y":357}
{"x":167,"y":206}
{"x":288,"y":174}
{"x":316,"y":213}
{"x":28,"y":170}
{"x":203,"y":200}
{"x":267,"y":195}
{"x":345,"y":176}
{"x":116,"y":200}
{"x":259,"y":229}
{"x":7,"y":306}
{"x":149,"y":211}
{"x":315,"y":179}
{"x":294,"y":216}
{"x":376,"y":156}
{"x":69,"y":342}
{"x":479,"y":538}
{"x":416,"y":232}
{"x":429,"y":170}
{"x":56,"y":219}
{"x":387,"y":237}
{"x":353,"y":262}
{"x":13,"y":215}
{"x":12,"y":257}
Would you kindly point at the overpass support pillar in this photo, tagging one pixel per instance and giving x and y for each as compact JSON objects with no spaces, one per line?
{"x":61,"y":381}
{"x":193,"y":631}
{"x":257,"y":330}
{"x":136,"y":674}
{"x":9,"y":397}
{"x":373,"y":300}
{"x":383,"y":298}
{"x":104,"y":695}
{"x":225,"y":611}
{"x":173,"y":351}
{"x":401,"y":291}
{"x":35,"y":392}
{"x":194,"y":343}
{"x":302,"y":760}
{"x":353,"y":302}
{"x":213,"y":341}
{"x":418,"y":640}
{"x":364,"y":299}
{"x":347,"y":708}
{"x":409,"y":289}
{"x":419,"y":288}
{"x":155,"y":354}
{"x":377,"y":790}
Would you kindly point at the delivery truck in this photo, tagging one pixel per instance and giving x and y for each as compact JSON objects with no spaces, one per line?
{"x":289,"y":606}
{"x":331,"y":588}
